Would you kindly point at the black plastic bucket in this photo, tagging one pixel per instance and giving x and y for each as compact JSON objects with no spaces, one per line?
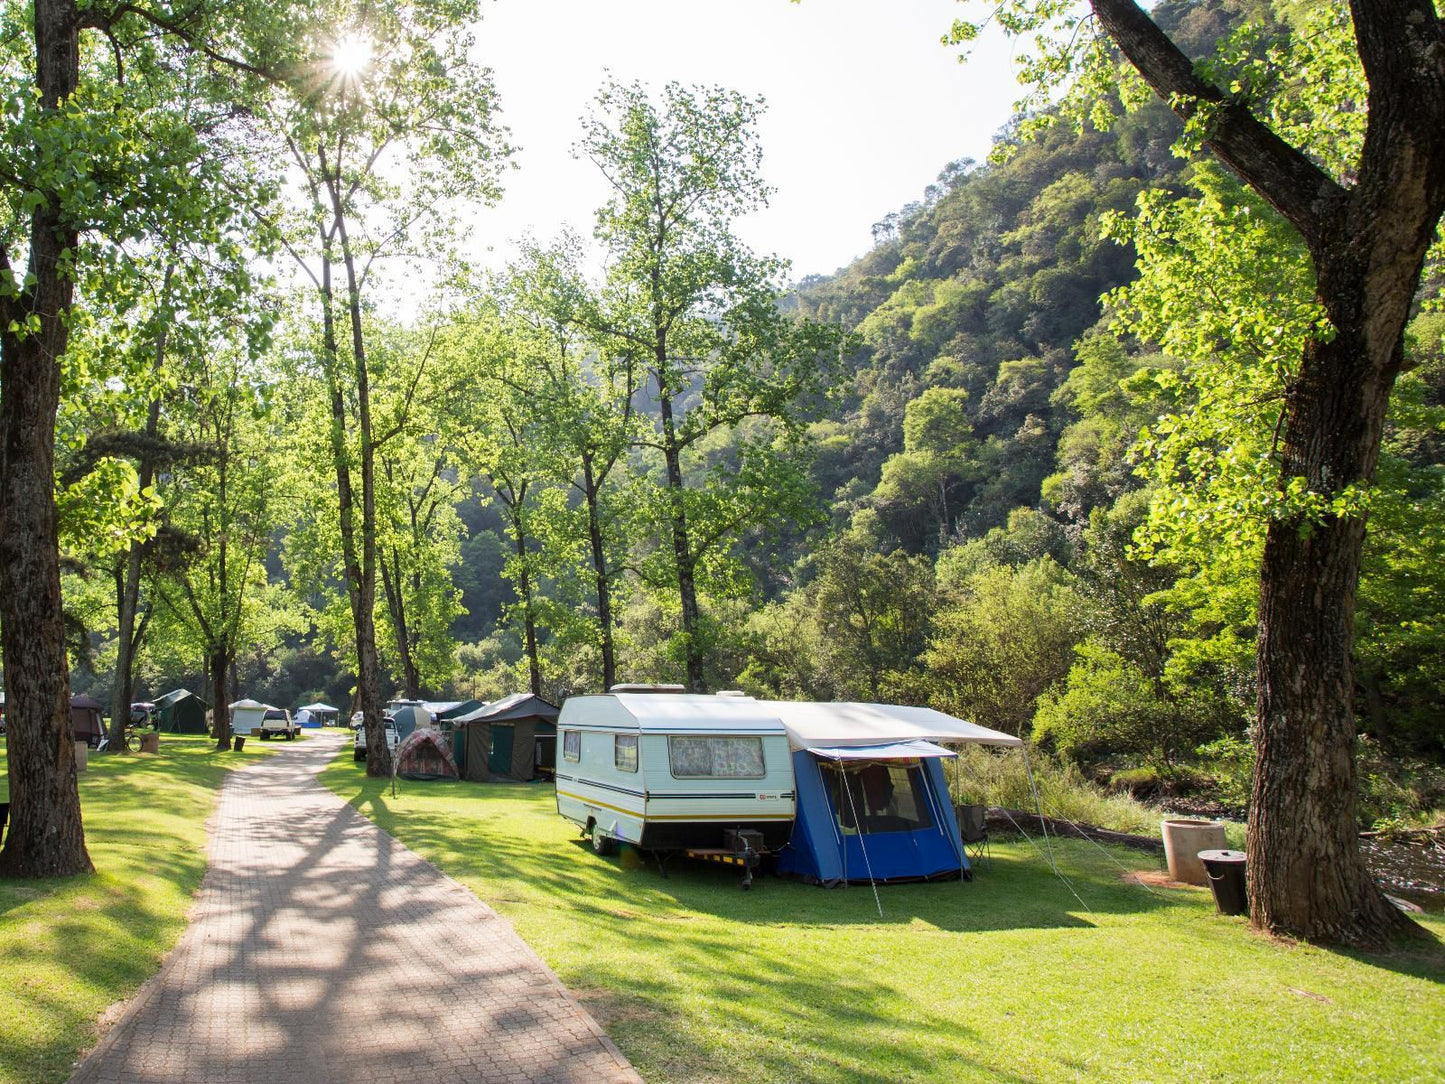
{"x":1226,"y":880}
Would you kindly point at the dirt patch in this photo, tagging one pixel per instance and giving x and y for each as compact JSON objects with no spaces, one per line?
{"x":1158,"y":878}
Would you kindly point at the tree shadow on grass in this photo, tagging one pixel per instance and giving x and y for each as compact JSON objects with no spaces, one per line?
{"x":779,"y":964}
{"x":1015,"y":891}
{"x":1418,"y":953}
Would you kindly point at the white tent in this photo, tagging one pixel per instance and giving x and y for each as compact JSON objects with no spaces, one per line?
{"x":246,"y":715}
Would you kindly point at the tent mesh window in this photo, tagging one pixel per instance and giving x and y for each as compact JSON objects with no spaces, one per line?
{"x":886,"y":797}
{"x":716,"y":758}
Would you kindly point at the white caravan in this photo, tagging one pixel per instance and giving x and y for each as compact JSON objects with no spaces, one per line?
{"x":674,"y":771}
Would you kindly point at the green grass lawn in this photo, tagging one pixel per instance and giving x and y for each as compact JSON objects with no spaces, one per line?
{"x":1007,"y":978}
{"x":70,"y":948}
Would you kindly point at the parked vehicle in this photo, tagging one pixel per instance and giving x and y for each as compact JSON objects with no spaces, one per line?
{"x":276,"y":722}
{"x":675,"y":772}
{"x":359,"y":744}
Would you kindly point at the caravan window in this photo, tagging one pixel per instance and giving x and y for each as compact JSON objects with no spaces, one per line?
{"x":572,"y":745}
{"x":885,"y":796}
{"x":716,"y":758}
{"x":624,"y":752}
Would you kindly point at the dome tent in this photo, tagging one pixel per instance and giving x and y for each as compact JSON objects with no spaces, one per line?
{"x":424,"y":754}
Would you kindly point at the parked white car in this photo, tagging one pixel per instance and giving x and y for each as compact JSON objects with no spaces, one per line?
{"x":277,"y":722}
{"x":359,"y":745}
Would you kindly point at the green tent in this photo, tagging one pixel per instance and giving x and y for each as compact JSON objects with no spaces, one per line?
{"x":180,"y":712}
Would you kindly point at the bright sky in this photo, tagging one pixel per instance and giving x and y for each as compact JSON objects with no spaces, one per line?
{"x":865,"y":107}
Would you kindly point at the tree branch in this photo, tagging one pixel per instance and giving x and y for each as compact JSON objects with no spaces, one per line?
{"x":1292,"y":184}
{"x":103,"y":22}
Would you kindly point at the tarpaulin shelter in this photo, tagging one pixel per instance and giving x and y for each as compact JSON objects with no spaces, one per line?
{"x":181,"y":712}
{"x":511,"y":738}
{"x":424,"y":755}
{"x":86,"y":723}
{"x":873,"y":801}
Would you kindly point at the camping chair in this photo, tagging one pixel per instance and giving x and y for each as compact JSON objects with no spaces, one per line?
{"x":973,"y":829}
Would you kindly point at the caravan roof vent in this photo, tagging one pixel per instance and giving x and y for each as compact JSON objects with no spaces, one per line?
{"x":733,"y":692}
{"x":642,"y":687}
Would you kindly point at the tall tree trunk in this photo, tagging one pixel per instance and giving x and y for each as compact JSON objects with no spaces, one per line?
{"x":368,"y":684}
{"x":599,"y":574}
{"x":681,"y":546}
{"x":391,"y":584}
{"x":220,"y":667}
{"x":1304,"y":859}
{"x":46,"y":837}
{"x":1368,"y":242}
{"x":360,"y":568}
{"x":529,"y":617}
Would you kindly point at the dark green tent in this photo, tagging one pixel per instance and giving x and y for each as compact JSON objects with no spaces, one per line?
{"x":514,"y":738}
{"x":181,"y":712}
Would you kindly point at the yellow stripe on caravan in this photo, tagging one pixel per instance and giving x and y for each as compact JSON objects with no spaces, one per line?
{"x":599,"y":805}
{"x":724,"y":817}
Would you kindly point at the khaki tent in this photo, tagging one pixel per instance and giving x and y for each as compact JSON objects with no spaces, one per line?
{"x":512,"y":738}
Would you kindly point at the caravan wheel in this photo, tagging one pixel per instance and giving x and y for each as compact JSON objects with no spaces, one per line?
{"x":602,"y":843}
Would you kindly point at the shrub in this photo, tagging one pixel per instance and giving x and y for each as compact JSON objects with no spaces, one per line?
{"x":1230,"y":763}
{"x":990,"y":777}
{"x":1109,"y":707}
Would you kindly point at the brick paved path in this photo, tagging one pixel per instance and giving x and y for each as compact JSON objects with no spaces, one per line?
{"x":323,"y":950}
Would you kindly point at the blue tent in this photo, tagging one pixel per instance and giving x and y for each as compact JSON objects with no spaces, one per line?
{"x":873,"y":813}
{"x":873,"y":803}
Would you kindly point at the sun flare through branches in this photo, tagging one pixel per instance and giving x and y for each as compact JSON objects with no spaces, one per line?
{"x":351,"y":56}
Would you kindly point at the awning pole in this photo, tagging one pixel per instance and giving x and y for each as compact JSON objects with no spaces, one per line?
{"x":861,"y":845}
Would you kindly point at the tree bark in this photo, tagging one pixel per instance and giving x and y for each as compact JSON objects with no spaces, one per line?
{"x":360,"y":569}
{"x":529,"y":618}
{"x":46,"y":837}
{"x":220,"y":667}
{"x":681,"y":545}
{"x":590,"y":493}
{"x":1368,"y":244}
{"x":391,"y":584}
{"x":368,"y":685}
